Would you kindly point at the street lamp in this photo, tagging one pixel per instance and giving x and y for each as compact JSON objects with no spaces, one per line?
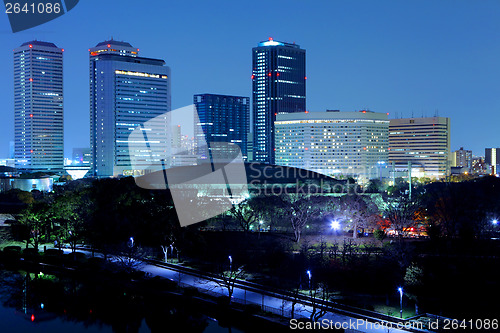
{"x":309,"y":274}
{"x":400,"y":301}
{"x":495,"y":222}
{"x":335,"y":225}
{"x":380,"y":163}
{"x":131,"y":241}
{"x":230,"y":263}
{"x":260,"y":226}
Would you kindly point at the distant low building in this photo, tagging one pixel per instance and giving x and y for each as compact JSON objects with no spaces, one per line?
{"x":479,"y":166}
{"x":82,"y":156}
{"x":462,"y":159}
{"x":43,"y":184}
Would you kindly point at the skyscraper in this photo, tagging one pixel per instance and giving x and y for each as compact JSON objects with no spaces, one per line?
{"x":278,"y":86}
{"x":222,"y":118}
{"x":423,"y":143}
{"x":38,"y":107}
{"x":125,"y":92}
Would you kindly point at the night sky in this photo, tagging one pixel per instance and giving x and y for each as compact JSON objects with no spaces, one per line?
{"x":402,"y":57}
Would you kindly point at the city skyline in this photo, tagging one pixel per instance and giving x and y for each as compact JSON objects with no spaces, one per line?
{"x":387,"y":57}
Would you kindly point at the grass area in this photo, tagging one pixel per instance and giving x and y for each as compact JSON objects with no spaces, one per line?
{"x":394,"y":311}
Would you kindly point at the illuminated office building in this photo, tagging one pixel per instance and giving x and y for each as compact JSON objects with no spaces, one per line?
{"x":278,"y":86}
{"x":422,"y":142}
{"x":125,"y":92}
{"x":38,"y":107}
{"x":222,"y":118}
{"x":339,"y":144}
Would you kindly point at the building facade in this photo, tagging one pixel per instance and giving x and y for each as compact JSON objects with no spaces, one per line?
{"x":492,"y":158}
{"x":278,"y":86}
{"x":423,"y":144}
{"x":339,"y":144}
{"x":222,"y":118}
{"x":82,"y":156}
{"x":462,"y":159}
{"x":126,"y":91}
{"x":38,"y":107}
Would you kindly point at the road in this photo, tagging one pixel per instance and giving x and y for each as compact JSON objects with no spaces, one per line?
{"x":276,"y":301}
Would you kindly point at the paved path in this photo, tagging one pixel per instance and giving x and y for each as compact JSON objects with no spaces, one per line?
{"x":331,"y":319}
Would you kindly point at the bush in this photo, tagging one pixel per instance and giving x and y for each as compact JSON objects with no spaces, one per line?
{"x":30,"y":253}
{"x":12,"y":248}
{"x":54,"y":252}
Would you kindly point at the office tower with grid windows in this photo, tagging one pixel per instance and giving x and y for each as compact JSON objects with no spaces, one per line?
{"x":278,"y":87}
{"x":126,"y":91}
{"x":422,"y":144}
{"x":38,"y":107}
{"x":222,"y":118}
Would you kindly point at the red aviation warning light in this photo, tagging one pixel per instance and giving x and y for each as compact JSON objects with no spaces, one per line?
{"x":32,"y":317}
{"x":31,"y":46}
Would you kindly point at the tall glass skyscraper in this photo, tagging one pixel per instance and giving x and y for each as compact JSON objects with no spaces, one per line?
{"x":38,"y":107}
{"x":278,"y":86}
{"x":125,"y":92}
{"x":222,"y":119}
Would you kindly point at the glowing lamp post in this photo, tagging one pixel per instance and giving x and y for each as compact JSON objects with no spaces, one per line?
{"x":400,"y":301}
{"x":309,"y":275}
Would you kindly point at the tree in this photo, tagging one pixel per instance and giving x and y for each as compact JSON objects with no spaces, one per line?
{"x":227,"y":279}
{"x":33,"y":219}
{"x":357,"y":213}
{"x":379,"y":235}
{"x":414,"y":283}
{"x":72,"y":211}
{"x":300,"y":209}
{"x":321,"y":293}
{"x":245,"y":214}
{"x":400,"y":211}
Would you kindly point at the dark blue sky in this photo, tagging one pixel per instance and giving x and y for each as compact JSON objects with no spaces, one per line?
{"x":402,"y":57}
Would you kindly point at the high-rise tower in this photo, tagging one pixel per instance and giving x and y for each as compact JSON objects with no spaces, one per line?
{"x":125,"y":92}
{"x":278,"y":86}
{"x":222,"y":118}
{"x":38,"y":107}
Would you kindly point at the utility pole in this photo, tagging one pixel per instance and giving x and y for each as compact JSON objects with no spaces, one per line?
{"x":409,"y":179}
